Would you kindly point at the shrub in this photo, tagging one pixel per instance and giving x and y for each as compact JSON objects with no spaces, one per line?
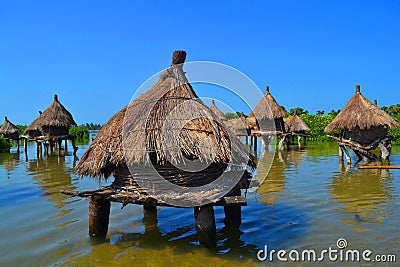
{"x":79,"y":132}
{"x":4,"y":144}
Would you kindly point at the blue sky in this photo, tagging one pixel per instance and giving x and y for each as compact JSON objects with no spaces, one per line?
{"x":95,"y":54}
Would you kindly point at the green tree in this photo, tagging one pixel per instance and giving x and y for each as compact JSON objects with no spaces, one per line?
{"x":298,"y":111}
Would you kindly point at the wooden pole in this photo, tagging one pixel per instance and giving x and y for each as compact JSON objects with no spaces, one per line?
{"x":18,"y":145}
{"x":205,"y":225}
{"x":99,"y":216}
{"x":25,"y":145}
{"x":255,"y":143}
{"x":233,"y":214}
{"x":66,"y":145}
{"x":346,"y":153}
{"x":379,"y":167}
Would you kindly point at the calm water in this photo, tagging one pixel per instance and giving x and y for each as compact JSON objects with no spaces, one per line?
{"x":308,"y":201}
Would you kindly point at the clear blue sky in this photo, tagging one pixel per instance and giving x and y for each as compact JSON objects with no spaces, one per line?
{"x":95,"y":54}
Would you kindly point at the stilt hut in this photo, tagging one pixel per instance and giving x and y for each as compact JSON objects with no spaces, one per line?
{"x":297,"y":127}
{"x":9,"y":130}
{"x":363,"y":126}
{"x":52,"y":125}
{"x":218,"y":112}
{"x":239,"y":126}
{"x":127,"y":154}
{"x":269,"y":116}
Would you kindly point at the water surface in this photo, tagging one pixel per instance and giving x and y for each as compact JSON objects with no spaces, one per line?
{"x":307,"y":201}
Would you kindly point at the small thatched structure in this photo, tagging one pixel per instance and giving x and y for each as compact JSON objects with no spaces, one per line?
{"x":269,"y":114}
{"x":362,"y":124}
{"x":202,"y":138}
{"x":296,"y":125}
{"x":9,"y":130}
{"x":239,"y":126}
{"x":54,"y":121}
{"x":220,"y":115}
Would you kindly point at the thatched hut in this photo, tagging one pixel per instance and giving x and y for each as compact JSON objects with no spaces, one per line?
{"x":363,"y":127}
{"x":134,"y":141}
{"x":296,"y":126}
{"x":239,"y":126}
{"x":268,"y":111}
{"x":54,"y":121}
{"x":220,"y":115}
{"x":9,"y":130}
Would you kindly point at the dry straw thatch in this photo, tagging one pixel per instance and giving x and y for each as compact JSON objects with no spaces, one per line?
{"x":296,"y":125}
{"x":267,"y":111}
{"x":55,"y":120}
{"x":172,"y":102}
{"x":9,"y":130}
{"x":217,"y":112}
{"x":360,"y":114}
{"x":239,"y":126}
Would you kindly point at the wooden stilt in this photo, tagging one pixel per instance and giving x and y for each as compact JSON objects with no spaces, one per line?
{"x":99,"y":214}
{"x":281,"y":146}
{"x":233,"y":214}
{"x":18,"y":145}
{"x":73,"y":145}
{"x":385,"y":150}
{"x":205,"y":225}
{"x":340,"y":152}
{"x":247,"y":140}
{"x":251,"y":140}
{"x":66,"y":145}
{"x":346,"y":153}
{"x":255,"y":143}
{"x":299,"y":141}
{"x":59,"y":143}
{"x":25,"y":145}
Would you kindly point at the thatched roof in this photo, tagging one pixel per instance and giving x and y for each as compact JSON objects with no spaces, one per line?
{"x":360,"y":113}
{"x":268,"y":108}
{"x":56,"y":115}
{"x":168,"y":122}
{"x":8,"y":128}
{"x":217,"y":112}
{"x":296,"y":124}
{"x":239,"y":126}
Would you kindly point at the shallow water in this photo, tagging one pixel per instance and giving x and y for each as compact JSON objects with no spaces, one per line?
{"x":307,"y":201}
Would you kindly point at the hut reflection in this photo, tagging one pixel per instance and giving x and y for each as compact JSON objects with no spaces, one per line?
{"x":363,"y":195}
{"x":9,"y":160}
{"x":52,"y":174}
{"x":272,"y":167}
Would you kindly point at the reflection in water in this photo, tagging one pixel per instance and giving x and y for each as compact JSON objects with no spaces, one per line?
{"x":363,"y":195}
{"x":53,"y":175}
{"x":9,"y":160}
{"x":275,"y":180}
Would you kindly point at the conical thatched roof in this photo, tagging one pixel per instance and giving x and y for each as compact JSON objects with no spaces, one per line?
{"x":296,"y":124}
{"x":8,"y":128}
{"x":217,"y":112}
{"x":168,"y":122}
{"x":239,"y":126}
{"x":56,"y":115}
{"x":268,"y":108}
{"x":360,"y":113}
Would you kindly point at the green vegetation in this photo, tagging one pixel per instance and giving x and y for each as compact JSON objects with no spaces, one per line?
{"x":92,"y":126}
{"x":394,"y":111}
{"x":317,"y":124}
{"x":4,"y":144}
{"x":232,"y":115}
{"x":21,"y":128}
{"x":80,"y":133}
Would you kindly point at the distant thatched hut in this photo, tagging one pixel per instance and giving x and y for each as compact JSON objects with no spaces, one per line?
{"x":217,"y":112}
{"x":239,"y":126}
{"x":268,"y":110}
{"x":9,"y":130}
{"x":133,"y":139}
{"x":363,"y":126}
{"x":54,"y":121}
{"x":296,"y":126}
